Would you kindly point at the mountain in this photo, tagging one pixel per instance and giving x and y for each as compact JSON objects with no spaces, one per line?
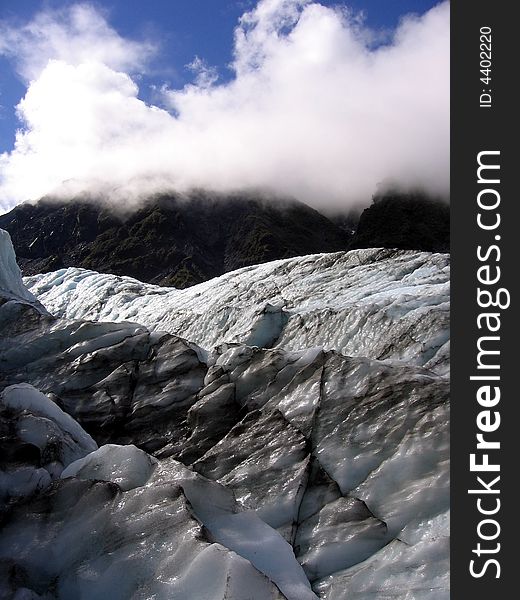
{"x":169,"y":241}
{"x":174,"y":241}
{"x":404,"y":221}
{"x":257,"y":463}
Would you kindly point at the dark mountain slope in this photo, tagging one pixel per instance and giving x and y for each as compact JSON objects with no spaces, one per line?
{"x":406,"y":222}
{"x":170,"y":241}
{"x":180,"y":242}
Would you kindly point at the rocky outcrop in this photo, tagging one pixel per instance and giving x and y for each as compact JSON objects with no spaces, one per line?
{"x":406,"y":222}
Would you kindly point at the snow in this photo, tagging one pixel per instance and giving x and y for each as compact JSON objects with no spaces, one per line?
{"x":383,"y":304}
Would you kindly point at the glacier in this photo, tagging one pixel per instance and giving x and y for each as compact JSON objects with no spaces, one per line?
{"x":279,"y":432}
{"x":11,"y":284}
{"x":379,"y":303}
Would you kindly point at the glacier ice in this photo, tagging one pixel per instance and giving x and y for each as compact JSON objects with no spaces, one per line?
{"x":244,"y":451}
{"x":37,"y":441}
{"x":408,"y":571}
{"x":39,"y":410}
{"x":382,"y":304}
{"x":11,"y":284}
{"x":127,"y":466}
{"x":19,"y":309}
{"x":90,"y":539}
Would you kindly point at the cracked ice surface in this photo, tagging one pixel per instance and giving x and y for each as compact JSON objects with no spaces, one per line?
{"x":83,"y":538}
{"x":383,"y":304}
{"x":233,"y":473}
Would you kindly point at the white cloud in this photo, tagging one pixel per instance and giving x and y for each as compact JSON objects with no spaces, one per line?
{"x":77,"y":34}
{"x":313,"y":110}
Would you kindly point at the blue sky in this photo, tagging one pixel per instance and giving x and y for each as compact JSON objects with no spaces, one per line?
{"x":323,"y":101}
{"x":183,"y":28}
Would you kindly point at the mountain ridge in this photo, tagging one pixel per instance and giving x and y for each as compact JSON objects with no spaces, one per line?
{"x":179,"y":241}
{"x":169,"y":241}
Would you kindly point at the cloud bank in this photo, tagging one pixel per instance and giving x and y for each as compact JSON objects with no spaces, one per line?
{"x":314,"y":110}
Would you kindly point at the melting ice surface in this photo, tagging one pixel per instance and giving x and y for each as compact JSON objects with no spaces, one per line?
{"x":382,"y":304}
{"x":280,"y":432}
